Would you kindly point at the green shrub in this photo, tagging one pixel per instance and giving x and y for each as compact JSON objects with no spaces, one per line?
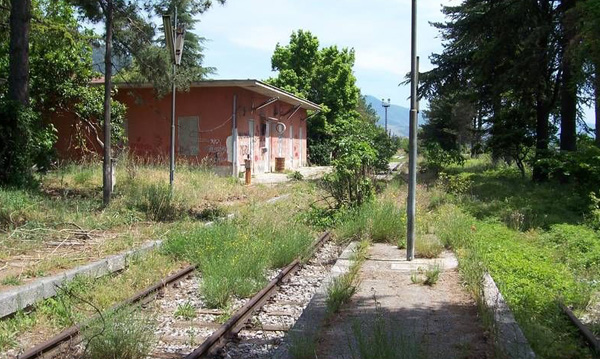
{"x":296,"y":176}
{"x":14,"y":208}
{"x":157,"y":202}
{"x":428,"y":246}
{"x":577,"y":246}
{"x":119,"y":335}
{"x":388,"y":222}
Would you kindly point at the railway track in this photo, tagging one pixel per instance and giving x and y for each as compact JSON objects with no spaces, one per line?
{"x":254,"y":326}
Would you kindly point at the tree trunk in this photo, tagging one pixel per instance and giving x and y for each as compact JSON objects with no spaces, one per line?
{"x":568,"y":109}
{"x":597,"y":102}
{"x":18,"y":78}
{"x":107,"y":166}
{"x":568,"y":89}
{"x":541,"y":139}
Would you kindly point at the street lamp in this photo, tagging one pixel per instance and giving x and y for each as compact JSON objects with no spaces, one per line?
{"x":174,"y":40}
{"x":385,"y":105}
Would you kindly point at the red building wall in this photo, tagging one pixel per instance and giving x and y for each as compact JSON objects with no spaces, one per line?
{"x":204,"y":128}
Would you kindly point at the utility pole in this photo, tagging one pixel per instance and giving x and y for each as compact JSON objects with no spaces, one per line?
{"x":107,"y":167}
{"x":386,"y":105}
{"x":174,"y":35}
{"x":412,"y":142}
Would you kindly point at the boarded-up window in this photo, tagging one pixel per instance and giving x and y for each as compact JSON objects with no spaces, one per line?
{"x":188,"y":136}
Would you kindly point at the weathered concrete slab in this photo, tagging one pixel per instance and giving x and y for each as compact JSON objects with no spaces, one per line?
{"x":313,"y":316}
{"x":508,"y":334}
{"x":26,"y":295}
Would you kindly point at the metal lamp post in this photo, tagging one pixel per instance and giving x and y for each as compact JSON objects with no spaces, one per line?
{"x":412,"y":142}
{"x":386,"y":105}
{"x":174,"y":38}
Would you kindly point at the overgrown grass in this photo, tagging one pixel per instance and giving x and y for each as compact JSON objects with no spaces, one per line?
{"x":529,"y":274}
{"x":344,"y":286}
{"x":83,"y":296}
{"x":428,"y":246}
{"x":302,"y":345}
{"x":234,"y":255}
{"x":383,"y":339}
{"x":124,"y":334}
{"x":379,"y":221}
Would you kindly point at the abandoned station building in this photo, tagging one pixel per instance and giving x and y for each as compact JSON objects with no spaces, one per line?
{"x":219,"y":122}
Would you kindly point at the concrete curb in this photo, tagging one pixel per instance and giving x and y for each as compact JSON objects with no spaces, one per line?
{"x":28,"y":294}
{"x":312,"y":318}
{"x":509,"y":336}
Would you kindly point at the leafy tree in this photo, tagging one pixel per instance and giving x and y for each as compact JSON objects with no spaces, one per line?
{"x":17,"y":122}
{"x":60,"y":69}
{"x":503,"y":58}
{"x":322,"y":76}
{"x":152,"y":63}
{"x":133,"y":35}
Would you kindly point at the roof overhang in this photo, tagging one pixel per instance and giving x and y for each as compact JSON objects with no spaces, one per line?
{"x":251,"y":85}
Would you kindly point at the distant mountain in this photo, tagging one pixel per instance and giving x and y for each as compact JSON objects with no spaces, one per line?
{"x":398,"y":116}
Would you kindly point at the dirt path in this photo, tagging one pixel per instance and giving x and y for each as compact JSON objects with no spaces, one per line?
{"x":440,"y":321}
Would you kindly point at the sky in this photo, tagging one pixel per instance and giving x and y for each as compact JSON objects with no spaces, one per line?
{"x":242,"y":36}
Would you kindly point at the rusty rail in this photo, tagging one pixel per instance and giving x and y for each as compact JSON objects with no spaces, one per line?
{"x":231,"y":327}
{"x":585,"y":331}
{"x":240,"y":317}
{"x":73,"y":331}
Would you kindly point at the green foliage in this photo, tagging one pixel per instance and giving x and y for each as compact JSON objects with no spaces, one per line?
{"x":234,"y":255}
{"x":500,"y":193}
{"x":296,"y":176}
{"x":529,"y":272}
{"x":185,"y":311}
{"x":456,"y":184}
{"x":388,"y":222}
{"x":438,"y":158}
{"x":123,"y":334}
{"x":157,"y":201}
{"x":14,"y":205}
{"x":10,"y":328}
{"x":351,"y":182}
{"x":11,"y":280}
{"x":23,"y":141}
{"x":432,"y":274}
{"x":379,"y":221}
{"x":576,"y":246}
{"x":323,"y":76}
{"x":341,"y":289}
{"x":581,"y":167}
{"x":339,"y":292}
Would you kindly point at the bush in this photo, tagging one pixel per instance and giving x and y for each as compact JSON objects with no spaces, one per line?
{"x":119,"y":335}
{"x":428,"y":246}
{"x":437,"y":158}
{"x":388,"y":222}
{"x":157,"y":202}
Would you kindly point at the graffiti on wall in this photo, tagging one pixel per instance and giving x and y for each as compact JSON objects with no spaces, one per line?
{"x":215,"y":149}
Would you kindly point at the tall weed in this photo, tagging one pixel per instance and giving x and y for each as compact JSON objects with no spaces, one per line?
{"x":119,"y":335}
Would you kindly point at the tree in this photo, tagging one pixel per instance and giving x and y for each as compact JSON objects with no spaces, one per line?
{"x":322,"y":76}
{"x":134,"y":37}
{"x":16,"y":120}
{"x":502,"y":57}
